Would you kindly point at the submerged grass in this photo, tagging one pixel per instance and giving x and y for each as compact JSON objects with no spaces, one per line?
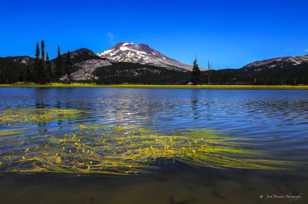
{"x":36,"y":115}
{"x":129,"y":150}
{"x":59,"y":85}
{"x":4,"y":133}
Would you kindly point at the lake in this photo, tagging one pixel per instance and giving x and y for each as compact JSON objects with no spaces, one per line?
{"x":176,"y":146}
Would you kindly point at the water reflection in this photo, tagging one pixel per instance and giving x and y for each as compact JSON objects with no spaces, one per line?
{"x":195,"y":104}
{"x":40,"y":97}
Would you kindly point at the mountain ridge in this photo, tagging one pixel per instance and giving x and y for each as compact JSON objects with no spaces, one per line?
{"x":113,"y":66}
{"x":295,"y":60}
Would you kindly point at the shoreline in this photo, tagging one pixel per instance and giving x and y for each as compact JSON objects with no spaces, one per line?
{"x":152,"y":86}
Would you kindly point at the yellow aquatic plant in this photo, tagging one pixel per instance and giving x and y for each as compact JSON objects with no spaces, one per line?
{"x":153,"y":86}
{"x":130,"y":149}
{"x":4,"y":133}
{"x":37,"y":115}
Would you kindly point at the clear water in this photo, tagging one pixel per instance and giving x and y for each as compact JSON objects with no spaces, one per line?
{"x":274,"y":121}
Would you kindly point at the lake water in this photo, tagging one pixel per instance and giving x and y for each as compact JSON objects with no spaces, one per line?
{"x":109,"y":145}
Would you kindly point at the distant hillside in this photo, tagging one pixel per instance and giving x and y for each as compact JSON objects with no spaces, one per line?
{"x":14,"y":69}
{"x":283,"y":70}
{"x":138,"y":63}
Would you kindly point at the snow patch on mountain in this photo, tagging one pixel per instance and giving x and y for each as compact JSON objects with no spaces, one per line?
{"x":141,"y":54}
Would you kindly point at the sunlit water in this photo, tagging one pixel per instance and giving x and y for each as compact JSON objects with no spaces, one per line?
{"x":272,"y":123}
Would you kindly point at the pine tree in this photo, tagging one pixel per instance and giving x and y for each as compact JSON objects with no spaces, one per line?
{"x":195,"y":78}
{"x":43,"y":51}
{"x":47,"y":58}
{"x":37,"y":54}
{"x":59,"y":64}
{"x":59,"y":51}
{"x":209,"y":73}
{"x":48,"y":70}
{"x":68,"y":65}
{"x":37,"y":66}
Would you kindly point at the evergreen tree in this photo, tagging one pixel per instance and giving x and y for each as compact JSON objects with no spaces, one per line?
{"x":37,"y":54}
{"x":43,"y":51}
{"x":209,"y":73}
{"x":39,"y":69}
{"x":36,"y":67}
{"x":68,"y":66}
{"x":59,"y":51}
{"x":48,"y":70}
{"x":195,"y":78}
{"x":47,"y":58}
{"x":59,"y":64}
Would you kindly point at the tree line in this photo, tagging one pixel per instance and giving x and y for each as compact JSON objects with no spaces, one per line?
{"x":45,"y":71}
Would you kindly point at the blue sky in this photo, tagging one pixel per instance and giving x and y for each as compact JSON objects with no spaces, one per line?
{"x":228,"y":33}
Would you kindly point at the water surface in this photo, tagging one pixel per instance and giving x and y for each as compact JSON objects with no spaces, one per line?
{"x":271,"y":123}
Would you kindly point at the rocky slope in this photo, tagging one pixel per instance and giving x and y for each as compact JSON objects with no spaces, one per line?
{"x":84,"y":63}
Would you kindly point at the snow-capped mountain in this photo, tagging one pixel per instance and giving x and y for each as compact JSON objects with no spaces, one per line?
{"x":87,"y":66}
{"x":142,"y":54}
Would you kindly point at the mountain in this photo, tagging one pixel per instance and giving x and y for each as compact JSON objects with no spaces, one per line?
{"x":280,"y":70}
{"x":138,"y":63}
{"x":90,"y":67}
{"x":81,"y":55}
{"x":142,"y":54}
{"x":278,"y":63}
{"x":126,"y":63}
{"x":21,"y":60}
{"x":84,"y":65}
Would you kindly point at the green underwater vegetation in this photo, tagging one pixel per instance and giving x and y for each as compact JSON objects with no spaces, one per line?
{"x":124,"y":150}
{"x":37,"y":115}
